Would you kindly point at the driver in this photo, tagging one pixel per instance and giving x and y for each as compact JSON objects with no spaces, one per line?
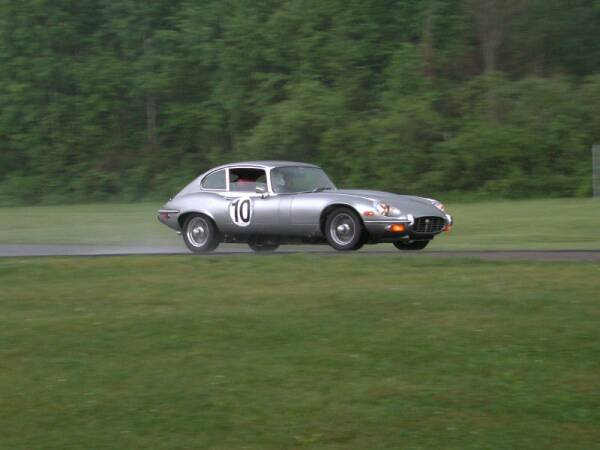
{"x":280,"y":181}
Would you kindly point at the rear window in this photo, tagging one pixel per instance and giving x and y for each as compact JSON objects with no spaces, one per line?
{"x":215,"y":180}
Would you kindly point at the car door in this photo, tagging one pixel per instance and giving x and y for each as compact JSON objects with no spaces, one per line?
{"x":250,"y":212}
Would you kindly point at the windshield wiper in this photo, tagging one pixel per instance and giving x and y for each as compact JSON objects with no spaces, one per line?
{"x":321,"y":189}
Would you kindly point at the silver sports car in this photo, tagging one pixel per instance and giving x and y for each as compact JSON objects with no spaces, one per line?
{"x":268,"y":203}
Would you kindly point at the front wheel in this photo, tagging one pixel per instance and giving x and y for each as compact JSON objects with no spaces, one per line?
{"x":344,"y":230}
{"x":411,"y":245}
{"x":200,"y":234}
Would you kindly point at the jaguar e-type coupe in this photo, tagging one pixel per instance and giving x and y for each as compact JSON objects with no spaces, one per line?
{"x":268,"y":203}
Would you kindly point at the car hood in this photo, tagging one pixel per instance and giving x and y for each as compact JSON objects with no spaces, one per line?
{"x":409,"y":204}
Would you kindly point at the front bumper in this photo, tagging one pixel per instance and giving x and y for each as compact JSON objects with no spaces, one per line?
{"x":383,"y":230}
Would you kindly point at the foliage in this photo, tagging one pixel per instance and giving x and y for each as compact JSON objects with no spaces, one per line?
{"x":124,"y":100}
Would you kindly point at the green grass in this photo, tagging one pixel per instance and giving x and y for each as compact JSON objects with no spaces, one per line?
{"x":528,"y":224}
{"x":102,"y":223}
{"x":298,"y":352}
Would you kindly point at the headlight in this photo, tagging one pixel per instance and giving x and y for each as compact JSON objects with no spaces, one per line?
{"x":382,"y":208}
{"x":386,"y":210}
{"x":439,"y":205}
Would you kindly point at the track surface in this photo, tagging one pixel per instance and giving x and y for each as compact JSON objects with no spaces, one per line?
{"x":20,"y":250}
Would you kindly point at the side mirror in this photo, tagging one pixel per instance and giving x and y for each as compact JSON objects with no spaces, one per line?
{"x":262,"y":191}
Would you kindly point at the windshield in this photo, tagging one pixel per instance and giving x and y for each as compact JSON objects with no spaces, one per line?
{"x":299,"y":179}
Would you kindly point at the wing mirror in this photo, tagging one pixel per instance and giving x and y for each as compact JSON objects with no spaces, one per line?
{"x":262,"y":191}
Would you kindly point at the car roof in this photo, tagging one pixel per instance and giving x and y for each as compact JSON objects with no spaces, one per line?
{"x":266,"y":164}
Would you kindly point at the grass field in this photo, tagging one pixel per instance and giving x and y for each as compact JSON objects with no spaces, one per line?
{"x":529,"y":224}
{"x":298,"y":352}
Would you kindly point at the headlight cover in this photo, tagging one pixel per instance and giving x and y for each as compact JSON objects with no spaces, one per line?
{"x":386,"y":210}
{"x":439,"y":205}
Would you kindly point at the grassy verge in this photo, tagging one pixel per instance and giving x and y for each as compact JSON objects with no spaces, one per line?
{"x":528,"y":224}
{"x":298,"y":352}
{"x":102,"y":223}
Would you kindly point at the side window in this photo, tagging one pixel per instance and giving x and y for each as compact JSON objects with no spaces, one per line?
{"x":247,"y":180}
{"x":215,"y":180}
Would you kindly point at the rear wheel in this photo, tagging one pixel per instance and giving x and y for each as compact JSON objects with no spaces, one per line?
{"x":344,"y":230}
{"x":263,"y":246}
{"x":200,"y":234}
{"x":411,"y":245}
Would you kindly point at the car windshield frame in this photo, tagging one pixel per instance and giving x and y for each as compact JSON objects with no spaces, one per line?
{"x":324,"y":183}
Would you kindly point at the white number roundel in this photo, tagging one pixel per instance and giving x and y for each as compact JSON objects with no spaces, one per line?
{"x":240,"y":211}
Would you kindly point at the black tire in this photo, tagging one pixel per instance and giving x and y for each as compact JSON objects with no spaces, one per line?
{"x":200,"y":233}
{"x":352,"y":237}
{"x":411,"y":245}
{"x":263,"y":246}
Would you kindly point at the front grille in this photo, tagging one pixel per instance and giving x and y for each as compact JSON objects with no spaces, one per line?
{"x":430,"y":224}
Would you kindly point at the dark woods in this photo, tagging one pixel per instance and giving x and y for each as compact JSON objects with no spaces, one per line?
{"x":104,"y":99}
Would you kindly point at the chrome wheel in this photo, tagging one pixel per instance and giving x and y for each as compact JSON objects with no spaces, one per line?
{"x":342,"y":229}
{"x":198,"y":232}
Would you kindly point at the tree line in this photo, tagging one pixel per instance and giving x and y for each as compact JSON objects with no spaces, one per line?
{"x":130,"y":99}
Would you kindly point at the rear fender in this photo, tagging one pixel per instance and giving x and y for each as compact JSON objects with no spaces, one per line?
{"x":209,"y":204}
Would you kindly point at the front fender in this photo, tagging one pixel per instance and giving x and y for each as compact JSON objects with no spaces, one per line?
{"x":308,"y":209}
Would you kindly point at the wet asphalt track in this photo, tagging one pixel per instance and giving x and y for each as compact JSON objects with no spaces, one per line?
{"x":24,"y":250}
